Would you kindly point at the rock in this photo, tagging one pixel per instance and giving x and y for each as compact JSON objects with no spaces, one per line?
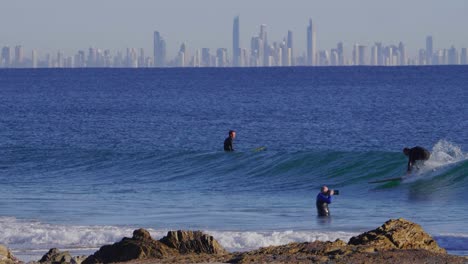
{"x":397,"y":234}
{"x":78,"y":259}
{"x":6,"y":257}
{"x":192,"y":242}
{"x":54,"y":256}
{"x":140,"y":246}
{"x":396,"y":241}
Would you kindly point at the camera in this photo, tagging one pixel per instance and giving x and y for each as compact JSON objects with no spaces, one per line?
{"x":335,"y":192}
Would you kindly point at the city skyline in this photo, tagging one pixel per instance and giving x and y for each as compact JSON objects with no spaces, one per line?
{"x":262,"y":52}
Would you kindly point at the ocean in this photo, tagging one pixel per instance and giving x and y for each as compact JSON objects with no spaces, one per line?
{"x":89,"y":155}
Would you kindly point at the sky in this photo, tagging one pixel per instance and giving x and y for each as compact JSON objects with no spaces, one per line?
{"x":66,"y":25}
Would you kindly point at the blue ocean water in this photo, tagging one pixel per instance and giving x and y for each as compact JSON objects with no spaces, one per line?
{"x":87,"y":155}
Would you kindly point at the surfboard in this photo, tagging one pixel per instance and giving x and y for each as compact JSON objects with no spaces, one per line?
{"x":259,"y":149}
{"x":388,"y":180}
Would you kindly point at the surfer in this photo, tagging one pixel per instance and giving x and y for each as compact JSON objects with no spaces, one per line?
{"x":416,"y":156}
{"x":228,"y":142}
{"x":323,"y":199}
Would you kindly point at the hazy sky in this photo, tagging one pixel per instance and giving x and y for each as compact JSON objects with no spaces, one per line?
{"x":50,"y":25}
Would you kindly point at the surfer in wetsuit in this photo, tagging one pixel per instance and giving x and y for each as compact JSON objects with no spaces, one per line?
{"x":228,"y":142}
{"x":323,"y":199}
{"x":416,"y":155}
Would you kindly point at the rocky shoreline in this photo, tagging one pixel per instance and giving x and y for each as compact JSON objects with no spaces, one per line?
{"x":396,"y":241}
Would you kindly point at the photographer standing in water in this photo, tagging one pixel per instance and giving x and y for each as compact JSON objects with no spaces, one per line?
{"x":323,"y":199}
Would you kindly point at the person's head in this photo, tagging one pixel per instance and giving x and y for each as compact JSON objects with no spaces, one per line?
{"x":232,"y":134}
{"x":406,"y":151}
{"x":324,"y":189}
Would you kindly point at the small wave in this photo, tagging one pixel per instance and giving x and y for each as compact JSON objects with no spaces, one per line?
{"x":33,"y":236}
{"x":23,"y":234}
{"x":244,"y":241}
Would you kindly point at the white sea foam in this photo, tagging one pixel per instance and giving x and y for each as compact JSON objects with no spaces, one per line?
{"x":242,"y":241}
{"x":444,"y":154}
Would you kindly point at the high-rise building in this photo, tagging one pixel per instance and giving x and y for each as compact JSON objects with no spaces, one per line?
{"x":236,"y":51}
{"x":264,"y":50}
{"x":429,"y":50}
{"x":206,"y":57}
{"x":256,"y":47}
{"x":362,"y":55}
{"x":452,"y":56}
{"x":311,"y":44}
{"x":463,"y":57}
{"x":290,"y":46}
{"x":6,"y":57}
{"x":402,"y":53}
{"x":221,"y":57}
{"x":340,"y":51}
{"x":19,"y":56}
{"x":159,"y":50}
{"x":34,"y":59}
{"x":374,"y":56}
{"x":356,"y":55}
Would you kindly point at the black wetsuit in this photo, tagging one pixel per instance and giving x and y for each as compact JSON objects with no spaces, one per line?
{"x":417,"y":153}
{"x":322,"y":204}
{"x":228,"y":144}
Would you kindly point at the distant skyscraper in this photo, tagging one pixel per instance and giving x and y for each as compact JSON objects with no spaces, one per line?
{"x":402,"y":51}
{"x":429,"y":50}
{"x":340,"y":51}
{"x":236,"y":43}
{"x":264,"y":53}
{"x":380,"y":54}
{"x":453,"y":56}
{"x":374,"y":56}
{"x":34,"y":59}
{"x":6,"y":57}
{"x":422,"y":57}
{"x":19,"y":56}
{"x":206,"y":57}
{"x":463,"y":57}
{"x":356,"y":55}
{"x":182,"y":60}
{"x":221,"y":57}
{"x":290,"y":46}
{"x":362,"y":55}
{"x":159,"y":47}
{"x":311,"y":44}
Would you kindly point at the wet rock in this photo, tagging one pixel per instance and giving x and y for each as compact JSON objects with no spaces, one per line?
{"x":397,"y":234}
{"x":192,"y":242}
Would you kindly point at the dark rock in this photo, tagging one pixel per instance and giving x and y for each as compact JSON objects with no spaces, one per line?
{"x":192,"y":242}
{"x":130,"y":249}
{"x":141,"y":234}
{"x":142,"y":246}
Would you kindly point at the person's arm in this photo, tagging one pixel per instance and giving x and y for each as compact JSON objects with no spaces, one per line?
{"x":325,"y":198}
{"x":230,"y":145}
